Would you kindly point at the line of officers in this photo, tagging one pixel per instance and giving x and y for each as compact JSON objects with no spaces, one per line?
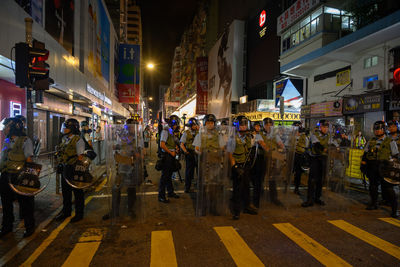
{"x":18,"y":149}
{"x":311,"y":150}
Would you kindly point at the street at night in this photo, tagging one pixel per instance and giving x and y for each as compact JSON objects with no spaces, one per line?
{"x":199,"y":133}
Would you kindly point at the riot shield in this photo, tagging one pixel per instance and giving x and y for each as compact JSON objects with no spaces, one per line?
{"x":81,"y":178}
{"x":124,"y":154}
{"x":213,"y":190}
{"x":281,"y":142}
{"x":339,"y":159}
{"x":27,"y":182}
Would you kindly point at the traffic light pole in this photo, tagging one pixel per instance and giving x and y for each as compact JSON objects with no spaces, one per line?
{"x":29,"y":103}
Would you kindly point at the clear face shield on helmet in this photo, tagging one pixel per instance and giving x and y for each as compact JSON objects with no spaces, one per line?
{"x":3,"y":124}
{"x":63,"y":127}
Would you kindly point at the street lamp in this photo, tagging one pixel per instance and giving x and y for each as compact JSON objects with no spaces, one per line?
{"x":150,"y":66}
{"x":150,"y":98}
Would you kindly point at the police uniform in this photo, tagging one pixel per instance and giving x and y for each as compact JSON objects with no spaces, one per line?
{"x":167,"y":136}
{"x":15,"y":152}
{"x":190,"y":158}
{"x":71,"y":147}
{"x":376,"y":151}
{"x":301,"y":146}
{"x":210,"y":183}
{"x":240,"y":146}
{"x":259,"y":169}
{"x":319,"y":148}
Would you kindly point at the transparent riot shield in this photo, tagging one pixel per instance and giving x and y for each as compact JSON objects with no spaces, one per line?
{"x":213,"y":186}
{"x":27,"y":182}
{"x":281,"y":142}
{"x":340,"y":159}
{"x":124,"y":157}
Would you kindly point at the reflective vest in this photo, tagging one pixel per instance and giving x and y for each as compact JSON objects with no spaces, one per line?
{"x":241,"y":149}
{"x":68,"y":150}
{"x":15,"y":157}
{"x":210,"y":140}
{"x":170,"y":141}
{"x":323,"y":140}
{"x":379,"y":152}
{"x":301,"y":144}
{"x":189,"y":140}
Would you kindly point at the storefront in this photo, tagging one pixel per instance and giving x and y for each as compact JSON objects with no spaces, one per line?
{"x":288,"y":118}
{"x":362,"y":111}
{"x":12,"y":102}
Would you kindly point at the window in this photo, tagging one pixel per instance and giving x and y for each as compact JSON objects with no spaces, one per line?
{"x":314,"y":26}
{"x":370,"y":62}
{"x":331,"y":10}
{"x":316,"y":13}
{"x":305,"y":22}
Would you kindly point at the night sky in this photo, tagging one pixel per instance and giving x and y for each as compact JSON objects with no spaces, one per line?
{"x":163,"y":23}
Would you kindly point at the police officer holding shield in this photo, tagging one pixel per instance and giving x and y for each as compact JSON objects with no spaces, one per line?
{"x":189,"y":150}
{"x":16,"y":150}
{"x":300,"y":150}
{"x":378,"y":150}
{"x":319,"y":151}
{"x":70,"y":151}
{"x":169,"y":148}
{"x":239,"y":148}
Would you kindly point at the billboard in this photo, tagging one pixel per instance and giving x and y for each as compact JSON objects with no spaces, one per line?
{"x":202,"y":87}
{"x":59,"y":22}
{"x":129,"y":74}
{"x":225,"y":70}
{"x":98,"y":40}
{"x":34,"y":8}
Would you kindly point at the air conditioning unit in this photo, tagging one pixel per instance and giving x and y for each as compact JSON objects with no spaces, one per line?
{"x":374,"y":85}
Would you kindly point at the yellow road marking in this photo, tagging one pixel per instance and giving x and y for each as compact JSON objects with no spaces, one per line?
{"x":319,"y":252}
{"x":55,"y":233}
{"x":391,"y":221}
{"x":162,"y":249}
{"x":237,"y":247}
{"x":367,"y":237}
{"x":83,"y":252}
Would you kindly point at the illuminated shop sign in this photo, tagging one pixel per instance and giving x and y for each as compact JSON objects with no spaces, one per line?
{"x":263,"y":18}
{"x":15,"y":109}
{"x":97,"y":94}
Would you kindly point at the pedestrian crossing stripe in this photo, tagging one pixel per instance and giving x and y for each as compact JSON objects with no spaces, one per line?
{"x":319,"y":252}
{"x":162,"y":249}
{"x":368,"y":238}
{"x":391,"y":221}
{"x":84,"y":250}
{"x":237,"y":247}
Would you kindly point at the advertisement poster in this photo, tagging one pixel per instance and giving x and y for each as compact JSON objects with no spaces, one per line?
{"x":202,"y":86}
{"x":99,"y":41}
{"x":225,"y":70}
{"x":129,"y":74}
{"x":280,"y":86}
{"x":34,"y":8}
{"x":60,"y":22}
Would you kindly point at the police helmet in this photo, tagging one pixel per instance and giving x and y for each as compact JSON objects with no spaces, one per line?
{"x":22,"y":118}
{"x":225,"y":122}
{"x":268,"y":121}
{"x":323,"y":123}
{"x":378,"y":125}
{"x":393,"y":122}
{"x":192,"y":122}
{"x":84,"y":123}
{"x":296,"y":124}
{"x":72,"y":125}
{"x":209,"y":117}
{"x":241,"y":121}
{"x":16,"y":126}
{"x":131,"y":121}
{"x":173,"y":120}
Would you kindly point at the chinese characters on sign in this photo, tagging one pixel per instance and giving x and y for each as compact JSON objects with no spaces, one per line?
{"x":202,"y":87}
{"x":363,"y":103}
{"x":298,"y":9}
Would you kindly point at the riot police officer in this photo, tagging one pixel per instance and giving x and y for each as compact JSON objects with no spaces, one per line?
{"x":189,"y":150}
{"x":70,"y":150}
{"x":299,"y":156}
{"x":169,"y":148}
{"x":210,"y":145}
{"x":319,"y":151}
{"x":379,"y":149}
{"x":240,"y":147}
{"x":17,"y":149}
{"x":272,"y":143}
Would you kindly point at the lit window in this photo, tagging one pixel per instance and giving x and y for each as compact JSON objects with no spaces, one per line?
{"x":370,"y":62}
{"x":374,"y":61}
{"x":316,"y":13}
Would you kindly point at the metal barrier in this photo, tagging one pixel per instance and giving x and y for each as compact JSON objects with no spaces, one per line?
{"x":49,"y":167}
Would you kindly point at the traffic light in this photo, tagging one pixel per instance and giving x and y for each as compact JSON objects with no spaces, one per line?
{"x":395,"y":80}
{"x":31,"y":69}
